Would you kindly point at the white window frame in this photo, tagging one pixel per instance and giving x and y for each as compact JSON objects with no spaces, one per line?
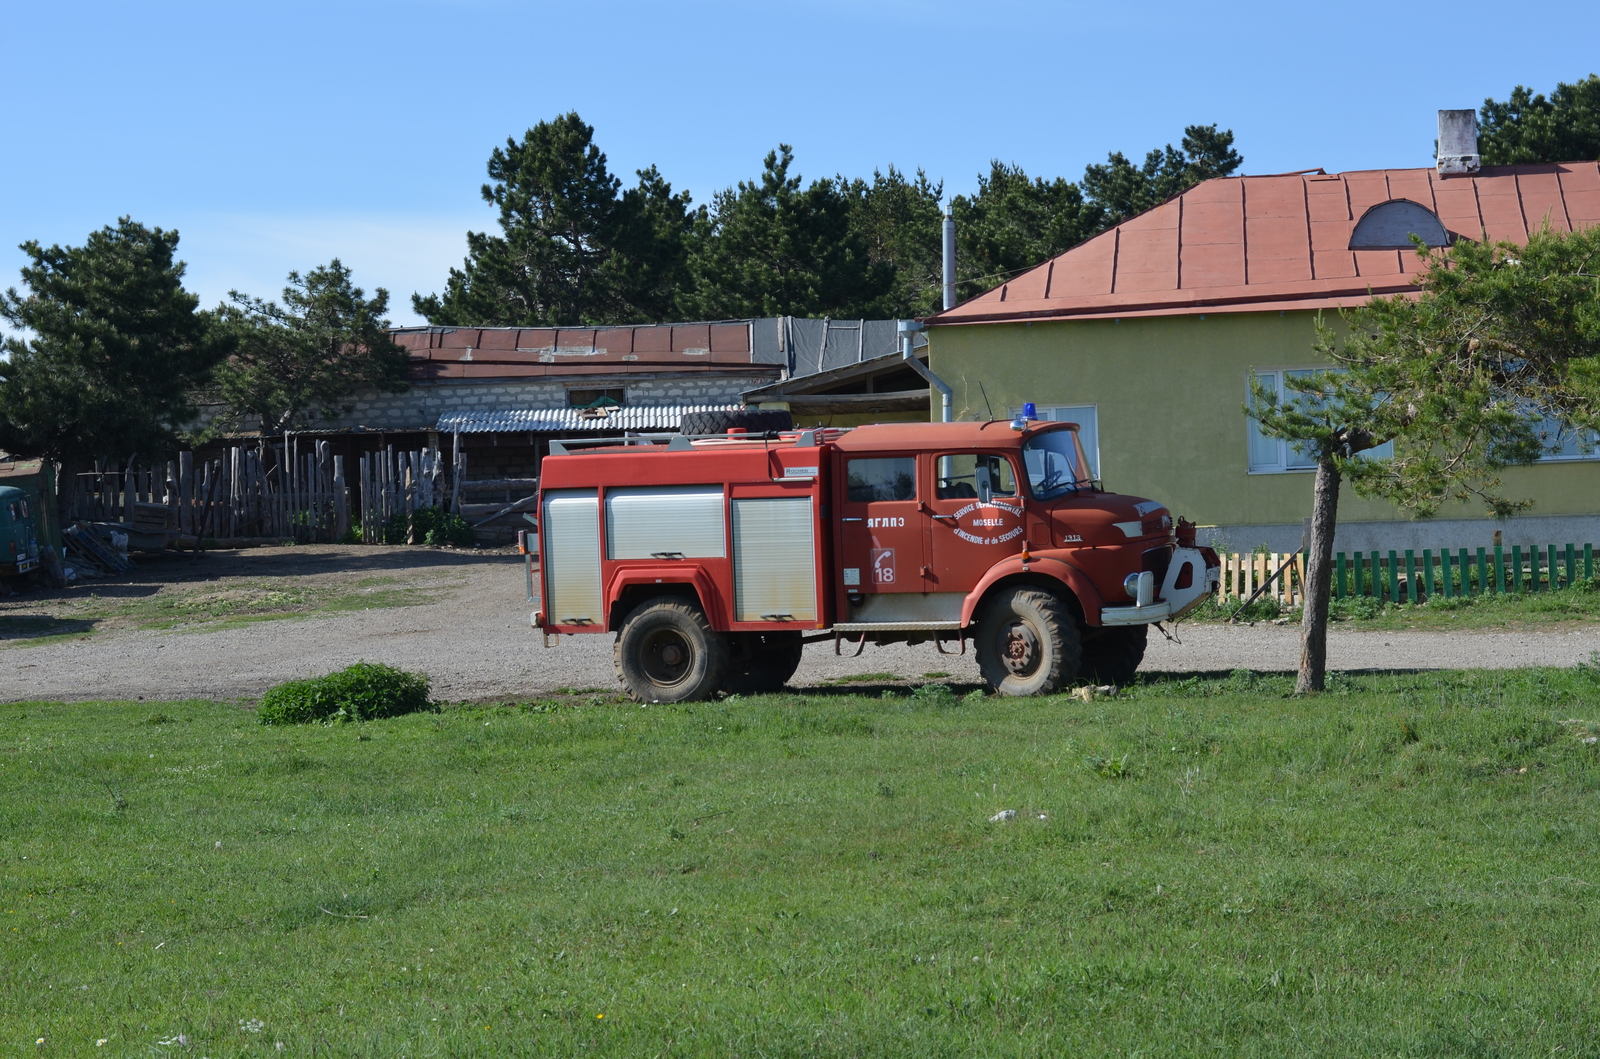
{"x":1269,"y":455}
{"x":1087,"y":416}
{"x":1571,"y":451}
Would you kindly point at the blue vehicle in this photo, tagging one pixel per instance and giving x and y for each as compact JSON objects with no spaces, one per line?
{"x":19,"y":543}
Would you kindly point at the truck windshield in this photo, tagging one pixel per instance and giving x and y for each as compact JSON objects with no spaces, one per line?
{"x":1055,"y":464}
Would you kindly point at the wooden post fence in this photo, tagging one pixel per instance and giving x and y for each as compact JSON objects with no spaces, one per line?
{"x":277,"y":488}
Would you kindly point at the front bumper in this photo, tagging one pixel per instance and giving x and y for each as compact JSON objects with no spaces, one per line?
{"x":1175,"y":602}
{"x":21,"y":566}
{"x":1160,"y":610}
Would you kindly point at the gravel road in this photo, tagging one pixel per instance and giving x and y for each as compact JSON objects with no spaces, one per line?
{"x":474,"y":641}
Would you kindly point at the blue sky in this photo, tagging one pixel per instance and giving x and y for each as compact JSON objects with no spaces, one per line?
{"x":278,"y":135}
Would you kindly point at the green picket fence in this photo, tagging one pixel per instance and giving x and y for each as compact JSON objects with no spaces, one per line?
{"x":1403,"y":577}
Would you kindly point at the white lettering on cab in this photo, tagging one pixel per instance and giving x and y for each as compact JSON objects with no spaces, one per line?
{"x":885,"y":523}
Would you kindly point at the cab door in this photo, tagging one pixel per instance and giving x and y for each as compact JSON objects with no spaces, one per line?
{"x":880,"y":528}
{"x":977,"y":518}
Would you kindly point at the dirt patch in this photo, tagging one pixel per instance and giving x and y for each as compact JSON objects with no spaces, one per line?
{"x":229,"y":625}
{"x":209,"y":590}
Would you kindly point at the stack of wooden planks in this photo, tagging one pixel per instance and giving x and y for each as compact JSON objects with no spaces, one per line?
{"x":92,"y":555}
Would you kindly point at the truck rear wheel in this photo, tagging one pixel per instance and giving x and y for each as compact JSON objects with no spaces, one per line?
{"x":1114,"y":656}
{"x":668,"y":652}
{"x":1027,"y":643}
{"x":770,"y":661}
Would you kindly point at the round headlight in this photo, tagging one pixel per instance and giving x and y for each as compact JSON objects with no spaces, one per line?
{"x":1130,"y":585}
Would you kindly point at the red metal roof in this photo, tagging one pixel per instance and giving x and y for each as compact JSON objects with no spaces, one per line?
{"x":509,"y":352}
{"x":1256,"y":243}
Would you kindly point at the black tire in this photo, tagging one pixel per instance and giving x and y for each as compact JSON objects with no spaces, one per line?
{"x":755,"y":421}
{"x":1113,"y":657}
{"x":769,"y":662}
{"x":1027,"y":643}
{"x":668,"y":652}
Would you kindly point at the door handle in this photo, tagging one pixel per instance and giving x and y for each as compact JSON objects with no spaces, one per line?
{"x":952,"y":518}
{"x":852,"y":520}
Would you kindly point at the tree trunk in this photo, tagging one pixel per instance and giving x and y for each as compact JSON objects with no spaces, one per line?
{"x":66,"y":484}
{"x":1319,"y":579}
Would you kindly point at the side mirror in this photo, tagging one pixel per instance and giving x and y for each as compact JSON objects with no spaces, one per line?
{"x":985,"y":490}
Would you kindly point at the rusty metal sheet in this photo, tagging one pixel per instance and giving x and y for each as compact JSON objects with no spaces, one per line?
{"x":691,"y":338}
{"x":730,"y":338}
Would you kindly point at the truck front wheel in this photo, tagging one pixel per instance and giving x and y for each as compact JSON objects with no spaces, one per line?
{"x":1027,"y":643}
{"x":668,"y":652}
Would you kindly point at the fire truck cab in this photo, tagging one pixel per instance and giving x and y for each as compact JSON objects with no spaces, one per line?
{"x":713,"y":559}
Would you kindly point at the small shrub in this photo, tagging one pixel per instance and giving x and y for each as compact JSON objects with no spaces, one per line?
{"x":1264,"y":609}
{"x":938,"y":694}
{"x":363,"y":692}
{"x":433,"y":526}
{"x":1112,"y":768}
{"x":1242,"y":680}
{"x":1355,"y":608}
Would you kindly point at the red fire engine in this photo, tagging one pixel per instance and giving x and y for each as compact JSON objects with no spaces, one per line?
{"x":715,"y":558}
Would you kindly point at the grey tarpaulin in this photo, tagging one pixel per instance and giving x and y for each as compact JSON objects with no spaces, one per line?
{"x":805,"y":346}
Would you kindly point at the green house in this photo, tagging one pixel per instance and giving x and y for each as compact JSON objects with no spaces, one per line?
{"x":1146,"y":336}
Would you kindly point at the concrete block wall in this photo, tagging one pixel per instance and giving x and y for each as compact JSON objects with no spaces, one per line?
{"x":715,"y":390}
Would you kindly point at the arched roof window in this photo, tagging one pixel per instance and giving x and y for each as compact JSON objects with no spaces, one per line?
{"x":1390,"y":226}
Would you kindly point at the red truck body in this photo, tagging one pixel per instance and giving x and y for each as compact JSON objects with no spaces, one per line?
{"x":891,"y":533}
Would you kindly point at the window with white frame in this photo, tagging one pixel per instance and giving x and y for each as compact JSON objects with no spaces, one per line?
{"x":1270,"y":455}
{"x":1088,"y":419}
{"x":1563,"y":442}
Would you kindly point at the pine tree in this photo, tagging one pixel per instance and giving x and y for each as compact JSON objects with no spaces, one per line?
{"x":1529,"y":128}
{"x":900,"y":223}
{"x":1502,"y":338}
{"x":771,"y":247}
{"x":311,"y":353}
{"x":1015,"y":222}
{"x":117,"y":348}
{"x":1119,"y":190}
{"x":573,"y":248}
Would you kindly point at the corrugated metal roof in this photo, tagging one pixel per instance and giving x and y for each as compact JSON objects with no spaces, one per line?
{"x":569,"y":420}
{"x":1250,"y":244}
{"x":762,"y":348}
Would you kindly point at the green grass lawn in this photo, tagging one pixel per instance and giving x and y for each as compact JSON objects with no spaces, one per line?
{"x":1495,"y":610}
{"x":1406,"y":865}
